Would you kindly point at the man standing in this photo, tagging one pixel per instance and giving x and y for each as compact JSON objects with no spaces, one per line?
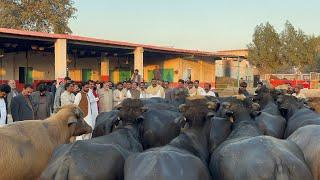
{"x":93,"y":100}
{"x":180,"y":93}
{"x":134,"y":92}
{"x":136,"y":77}
{"x":42,"y":101}
{"x":4,"y":91}
{"x":199,"y":90}
{"x":118,"y":95}
{"x":53,"y":88}
{"x":192,"y":90}
{"x":60,"y":90}
{"x":105,"y":98}
{"x":298,"y":94}
{"x":127,"y":92}
{"x":21,"y":106}
{"x":143,"y":93}
{"x":124,"y":87}
{"x":168,"y":92}
{"x":67,"y":97}
{"x":83,"y":101}
{"x":207,"y":90}
{"x":14,"y":92}
{"x":155,"y":90}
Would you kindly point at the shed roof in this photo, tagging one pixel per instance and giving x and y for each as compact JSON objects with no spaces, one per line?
{"x":23,"y":33}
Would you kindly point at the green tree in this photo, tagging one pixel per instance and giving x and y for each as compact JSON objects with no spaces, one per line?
{"x":50,"y":16}
{"x":280,"y":53}
{"x":297,"y":48}
{"x":264,"y":49}
{"x":314,"y":47}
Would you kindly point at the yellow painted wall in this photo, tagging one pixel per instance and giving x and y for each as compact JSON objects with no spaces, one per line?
{"x":201,"y":70}
{"x":151,"y":64}
{"x":41,"y":62}
{"x":75,"y":70}
{"x":43,"y":67}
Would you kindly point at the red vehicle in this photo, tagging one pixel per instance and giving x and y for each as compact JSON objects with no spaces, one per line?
{"x":293,"y":83}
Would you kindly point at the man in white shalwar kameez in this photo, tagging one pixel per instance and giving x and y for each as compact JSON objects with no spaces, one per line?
{"x":93,"y":101}
{"x":155,"y":90}
{"x":83,"y":101}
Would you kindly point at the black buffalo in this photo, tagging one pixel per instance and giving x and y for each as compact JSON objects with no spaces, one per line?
{"x":185,"y":157}
{"x":296,"y":114}
{"x":105,"y":123}
{"x":308,"y":139}
{"x":248,"y":155}
{"x":158,"y":128}
{"x":269,"y":118}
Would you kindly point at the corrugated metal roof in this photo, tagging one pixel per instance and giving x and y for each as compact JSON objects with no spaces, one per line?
{"x":101,"y":41}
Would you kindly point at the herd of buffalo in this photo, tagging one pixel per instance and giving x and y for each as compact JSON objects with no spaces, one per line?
{"x":268,"y":136}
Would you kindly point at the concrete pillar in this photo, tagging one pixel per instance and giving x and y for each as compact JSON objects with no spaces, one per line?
{"x":138,"y":60}
{"x":104,"y":71}
{"x":60,"y":59}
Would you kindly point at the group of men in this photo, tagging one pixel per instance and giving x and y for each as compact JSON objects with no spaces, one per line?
{"x":26,"y":105}
{"x":92,"y":97}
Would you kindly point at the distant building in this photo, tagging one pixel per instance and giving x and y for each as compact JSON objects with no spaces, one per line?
{"x":234,"y":63}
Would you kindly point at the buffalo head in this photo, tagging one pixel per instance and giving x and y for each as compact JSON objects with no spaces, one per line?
{"x":130,"y":111}
{"x":197,"y":110}
{"x":288,"y":103}
{"x":232,"y":107}
{"x":73,"y":116}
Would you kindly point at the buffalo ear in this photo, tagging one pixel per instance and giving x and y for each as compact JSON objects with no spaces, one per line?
{"x":118,"y":107}
{"x":183,"y":108}
{"x":78,"y":112}
{"x":210,"y":115}
{"x":255,"y":107}
{"x":231,"y":119}
{"x":139,"y":119}
{"x":212,"y":105}
{"x":144,"y":109}
{"x":116,"y":121}
{"x":256,"y":113}
{"x":229,"y":113}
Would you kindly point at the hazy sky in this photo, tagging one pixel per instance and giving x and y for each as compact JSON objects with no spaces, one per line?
{"x":192,"y":24}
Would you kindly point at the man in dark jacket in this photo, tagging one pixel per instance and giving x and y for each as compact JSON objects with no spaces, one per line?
{"x":53,"y":88}
{"x":42,"y":101}
{"x":21,"y":106}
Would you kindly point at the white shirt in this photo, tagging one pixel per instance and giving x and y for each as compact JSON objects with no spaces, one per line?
{"x":3,"y":111}
{"x":93,"y":103}
{"x":200,"y":91}
{"x":143,"y":94}
{"x":209,"y":93}
{"x":67,"y":98}
{"x":128,"y":94}
{"x":88,"y":118}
